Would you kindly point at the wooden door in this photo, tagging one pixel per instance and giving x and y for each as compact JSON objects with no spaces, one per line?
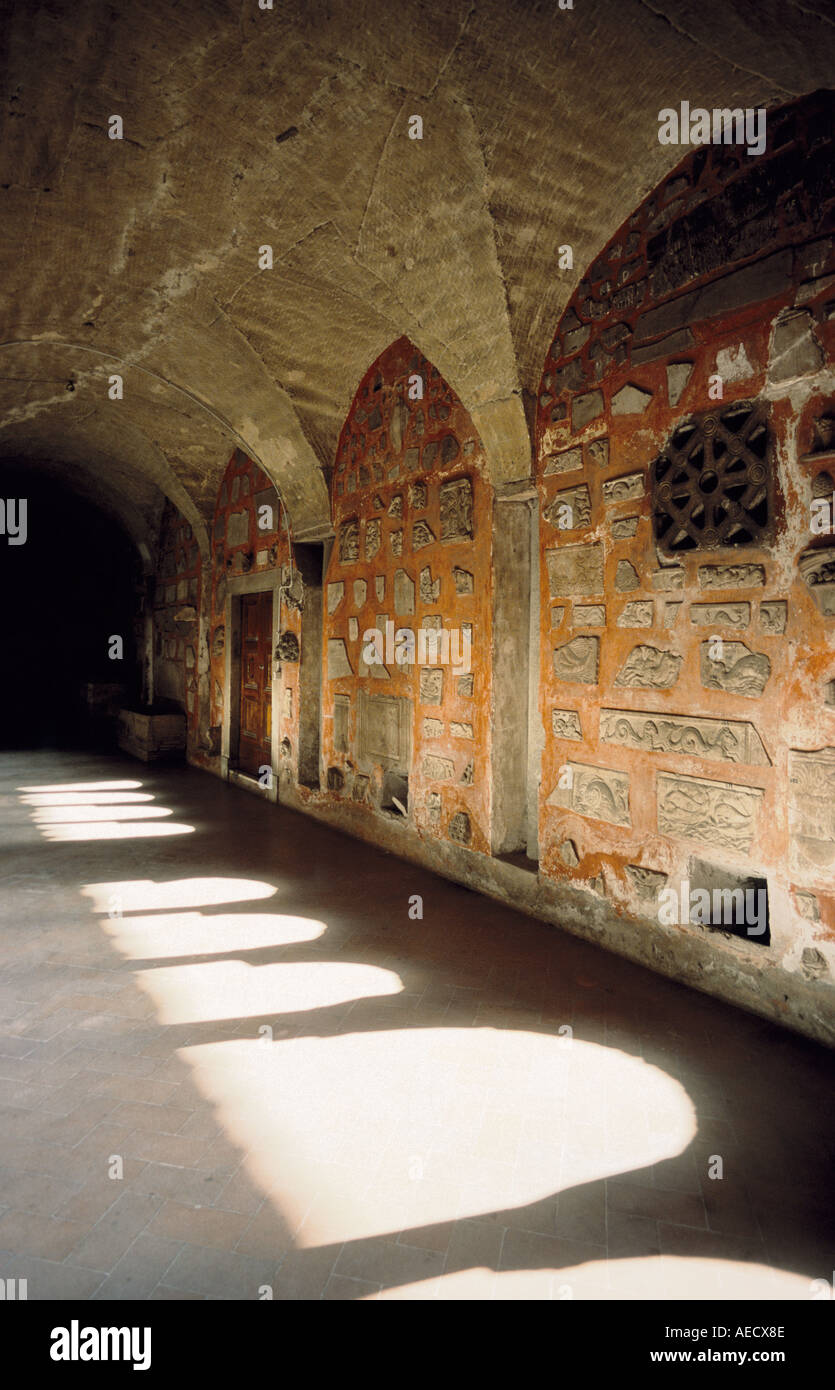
{"x":254,"y":746}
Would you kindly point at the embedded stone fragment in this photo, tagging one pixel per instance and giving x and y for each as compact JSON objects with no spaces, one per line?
{"x":649,"y":668}
{"x":586,"y":408}
{"x":671,"y":612}
{"x":360,"y":593}
{"x":568,"y":461}
{"x":817,"y":570}
{"x":373,"y":538}
{"x":734,"y":669}
{"x":417,"y":495}
{"x":624,"y":489}
{"x":565,"y":723}
{"x":438,"y":769}
{"x":575,"y":570}
{"x":736,"y":615}
{"x":459,"y":730}
{"x":717,"y":813}
{"x":468,"y":775}
{"x":624,"y":528}
{"x":630,"y":400}
{"x":646,"y":882}
{"x":404,"y":593}
{"x":456,"y":510}
{"x":597,"y":792}
{"x":718,"y":740}
{"x":341,"y":722}
{"x":433,"y":728}
{"x":794,"y":349}
{"x":465,"y":686}
{"x":578,"y":660}
{"x":773,"y":617}
{"x":422,"y":535}
{"x":678,"y":375}
{"x":460,"y":829}
{"x":731,"y":576}
{"x":626,"y":577}
{"x":397,"y":542}
{"x":380,"y":587}
{"x":463,"y":581}
{"x":638,"y":613}
{"x":568,"y":854}
{"x":812,"y":809}
{"x":598,"y":452}
{"x":338,"y":663}
{"x":395,"y":507}
{"x":349,"y":542}
{"x":569,"y":509}
{"x":665,"y":581}
{"x":431,"y":685}
{"x":430,"y":589}
{"x":589,"y":615}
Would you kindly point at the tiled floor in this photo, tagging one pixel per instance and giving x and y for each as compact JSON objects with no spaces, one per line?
{"x":231,"y":1063}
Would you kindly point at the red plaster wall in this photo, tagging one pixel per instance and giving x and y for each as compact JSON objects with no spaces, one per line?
{"x":775,"y":215}
{"x":434,"y":442}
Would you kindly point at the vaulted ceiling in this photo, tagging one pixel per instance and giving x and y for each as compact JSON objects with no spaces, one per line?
{"x":289,"y":127}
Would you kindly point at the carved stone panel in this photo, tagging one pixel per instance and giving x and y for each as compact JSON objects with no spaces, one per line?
{"x":465,"y":686}
{"x":456,"y":499}
{"x":649,"y":668}
{"x":463,"y":581}
{"x":360,"y":593}
{"x":431,"y":685}
{"x":578,"y":660}
{"x":459,"y":828}
{"x":638,"y":613}
{"x":575,"y":569}
{"x":624,"y":489}
{"x":666,"y":581}
{"x":349,"y":542}
{"x":624,"y":528}
{"x":718,"y":813}
{"x":773,"y":617}
{"x":646,"y":882}
{"x":812,"y":807}
{"x":380,"y":587}
{"x":395,"y":507}
{"x":598,"y":792}
{"x":817,"y":570}
{"x":566,"y":462}
{"x":565,"y":723}
{"x":719,"y":740}
{"x":459,"y":730}
{"x":736,"y":615}
{"x":422,"y":535}
{"x":373,"y":538}
{"x":589,"y":615}
{"x":417,"y":496}
{"x":731,"y":576}
{"x":738,"y":670}
{"x":438,"y":769}
{"x":384,"y":724}
{"x":569,"y":509}
{"x":430,"y":589}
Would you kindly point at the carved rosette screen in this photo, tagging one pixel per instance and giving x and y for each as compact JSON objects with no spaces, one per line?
{"x":711,"y":484}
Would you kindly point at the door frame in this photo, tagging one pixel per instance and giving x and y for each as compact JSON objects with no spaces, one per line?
{"x":237,"y":586}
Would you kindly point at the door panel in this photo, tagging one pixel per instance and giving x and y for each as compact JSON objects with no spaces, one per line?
{"x":254,"y":749}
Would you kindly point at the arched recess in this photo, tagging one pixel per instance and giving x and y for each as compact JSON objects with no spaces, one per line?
{"x":688,"y":742}
{"x":413,"y":729}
